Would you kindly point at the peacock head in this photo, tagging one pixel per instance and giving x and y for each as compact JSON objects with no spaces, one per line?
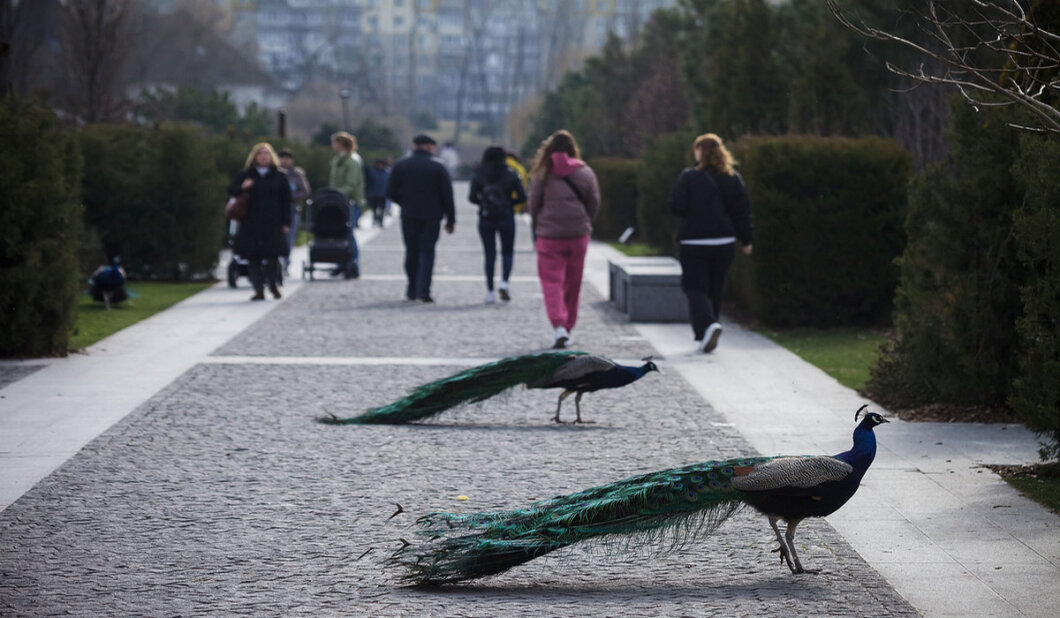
{"x":649,"y":365}
{"x":871,"y":419}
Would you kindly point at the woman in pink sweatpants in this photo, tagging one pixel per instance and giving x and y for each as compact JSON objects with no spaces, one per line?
{"x":564,"y":200}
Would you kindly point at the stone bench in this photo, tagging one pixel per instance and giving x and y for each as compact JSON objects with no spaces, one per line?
{"x":648,"y":289}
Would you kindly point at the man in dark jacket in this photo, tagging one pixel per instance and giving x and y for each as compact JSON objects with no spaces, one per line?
{"x":423,"y":189}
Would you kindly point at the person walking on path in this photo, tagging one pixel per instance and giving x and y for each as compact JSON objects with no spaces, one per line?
{"x":347,"y":175}
{"x":564,"y":200}
{"x":424,"y":190}
{"x":376,"y":179}
{"x":261,"y":234}
{"x":299,"y":191}
{"x":715,"y":212}
{"x":496,"y":189}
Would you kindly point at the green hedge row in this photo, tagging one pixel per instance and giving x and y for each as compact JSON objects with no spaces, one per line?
{"x":40,"y":225}
{"x":827,"y":215}
{"x":618,"y":197}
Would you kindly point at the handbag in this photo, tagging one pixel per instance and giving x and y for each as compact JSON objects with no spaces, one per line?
{"x":236,"y":208}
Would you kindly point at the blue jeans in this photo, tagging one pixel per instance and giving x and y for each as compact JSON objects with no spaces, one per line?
{"x":292,"y":233}
{"x":354,"y":264}
{"x":488,"y":230}
{"x":420,"y":237}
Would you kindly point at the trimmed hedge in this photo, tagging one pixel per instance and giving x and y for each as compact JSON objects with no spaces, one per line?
{"x":618,"y":197}
{"x":828,"y":218}
{"x":156,"y":196}
{"x":40,"y":227}
{"x":663,"y":158}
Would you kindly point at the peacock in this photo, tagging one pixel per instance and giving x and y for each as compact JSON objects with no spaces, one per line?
{"x":574,"y":372}
{"x":694,"y":499}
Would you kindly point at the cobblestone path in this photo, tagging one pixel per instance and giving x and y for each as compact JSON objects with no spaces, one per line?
{"x":221,"y":496}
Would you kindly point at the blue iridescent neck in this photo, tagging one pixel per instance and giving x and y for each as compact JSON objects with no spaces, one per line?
{"x":864,"y":450}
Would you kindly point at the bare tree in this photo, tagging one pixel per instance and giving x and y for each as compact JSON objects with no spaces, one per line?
{"x":95,"y":42}
{"x":994,"y":52}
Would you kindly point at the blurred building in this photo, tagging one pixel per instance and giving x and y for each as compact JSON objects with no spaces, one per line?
{"x":472,"y":58}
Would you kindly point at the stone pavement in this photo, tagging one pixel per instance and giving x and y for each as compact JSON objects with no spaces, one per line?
{"x":217,"y":494}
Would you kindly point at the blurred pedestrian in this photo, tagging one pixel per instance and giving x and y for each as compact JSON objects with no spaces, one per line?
{"x":260,"y":238}
{"x":564,"y":200}
{"x":496,"y":189}
{"x":346,"y":174}
{"x":424,"y":190}
{"x":512,"y":159}
{"x":299,"y":191}
{"x":377,"y":177}
{"x":450,"y":158}
{"x":715,"y":212}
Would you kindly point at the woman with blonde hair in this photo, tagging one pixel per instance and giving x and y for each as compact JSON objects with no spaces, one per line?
{"x":564,"y":200}
{"x":715,"y":212}
{"x":262,"y":234}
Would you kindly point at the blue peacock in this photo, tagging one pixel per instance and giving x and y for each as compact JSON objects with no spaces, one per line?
{"x":575,"y":372}
{"x":695,"y":498}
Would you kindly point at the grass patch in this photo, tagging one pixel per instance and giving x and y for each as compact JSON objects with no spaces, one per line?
{"x":847,"y":354}
{"x":1039,"y":482}
{"x":94,"y":321}
{"x":635,"y":249}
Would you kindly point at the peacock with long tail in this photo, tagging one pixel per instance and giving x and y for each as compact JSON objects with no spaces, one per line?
{"x":692,"y":500}
{"x":575,"y":372}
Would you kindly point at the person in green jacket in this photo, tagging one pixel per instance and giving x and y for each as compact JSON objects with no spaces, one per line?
{"x":347,"y":175}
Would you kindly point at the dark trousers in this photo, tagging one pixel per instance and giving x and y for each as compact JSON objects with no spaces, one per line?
{"x":378,"y":206}
{"x":262,"y":272}
{"x":704,"y":269}
{"x":488,"y":230}
{"x":420,"y":237}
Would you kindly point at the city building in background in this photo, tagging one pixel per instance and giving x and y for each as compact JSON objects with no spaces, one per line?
{"x":451,"y":59}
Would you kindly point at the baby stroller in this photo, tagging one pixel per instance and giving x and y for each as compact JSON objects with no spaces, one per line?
{"x":237,"y":266}
{"x":328,"y":220}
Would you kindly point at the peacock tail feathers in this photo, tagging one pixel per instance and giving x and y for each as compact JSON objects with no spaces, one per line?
{"x":681,"y":503}
{"x":469,"y":386}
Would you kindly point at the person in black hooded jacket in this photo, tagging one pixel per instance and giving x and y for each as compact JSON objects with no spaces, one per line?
{"x":715,"y":213}
{"x":496,"y":189}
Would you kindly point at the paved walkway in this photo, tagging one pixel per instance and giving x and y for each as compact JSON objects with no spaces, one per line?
{"x":174,"y":468}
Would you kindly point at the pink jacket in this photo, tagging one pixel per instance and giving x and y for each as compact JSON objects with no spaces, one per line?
{"x":555,"y":208}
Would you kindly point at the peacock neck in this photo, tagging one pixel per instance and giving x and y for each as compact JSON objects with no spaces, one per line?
{"x":860,"y":456}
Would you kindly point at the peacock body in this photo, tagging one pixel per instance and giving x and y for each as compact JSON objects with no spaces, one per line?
{"x":573,"y":371}
{"x":690,"y":501}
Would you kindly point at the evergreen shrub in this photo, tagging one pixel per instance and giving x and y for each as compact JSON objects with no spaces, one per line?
{"x":618,"y":197}
{"x":1036,"y":391}
{"x":827,"y":216}
{"x":156,"y":196}
{"x":663,"y":158}
{"x":958,"y":298}
{"x":40,"y":226}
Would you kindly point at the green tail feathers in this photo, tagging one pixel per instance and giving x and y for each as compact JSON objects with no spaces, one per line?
{"x":470,"y":386}
{"x":680,"y":503}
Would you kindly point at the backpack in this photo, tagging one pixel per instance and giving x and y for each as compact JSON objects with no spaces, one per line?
{"x":496,"y":201}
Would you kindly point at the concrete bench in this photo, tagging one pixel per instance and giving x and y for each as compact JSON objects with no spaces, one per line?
{"x":648,"y":289}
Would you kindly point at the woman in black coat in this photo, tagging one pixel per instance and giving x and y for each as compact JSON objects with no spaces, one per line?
{"x":715,"y":213}
{"x":496,"y":189}
{"x":261,"y":237}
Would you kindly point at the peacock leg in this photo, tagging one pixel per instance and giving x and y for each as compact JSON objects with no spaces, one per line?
{"x":578,"y":407}
{"x":783,"y":549}
{"x":790,"y":537}
{"x":562,"y":396}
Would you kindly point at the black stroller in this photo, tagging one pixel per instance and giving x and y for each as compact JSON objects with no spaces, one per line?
{"x":328,"y":220}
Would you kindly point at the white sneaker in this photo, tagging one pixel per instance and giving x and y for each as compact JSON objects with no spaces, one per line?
{"x":710,"y":338}
{"x":490,"y":298}
{"x":503,"y":290}
{"x":560,"y":337}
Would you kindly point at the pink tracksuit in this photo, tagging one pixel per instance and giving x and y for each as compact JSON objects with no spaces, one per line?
{"x":562,"y":225}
